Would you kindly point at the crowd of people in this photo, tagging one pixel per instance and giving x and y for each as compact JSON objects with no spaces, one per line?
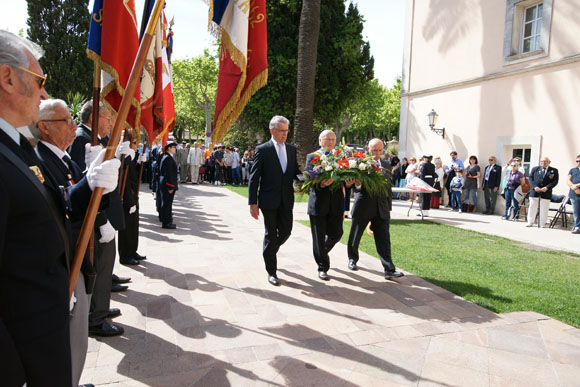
{"x":460,"y":184}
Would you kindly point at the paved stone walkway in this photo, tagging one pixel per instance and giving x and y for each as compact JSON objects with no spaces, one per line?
{"x":200,"y":312}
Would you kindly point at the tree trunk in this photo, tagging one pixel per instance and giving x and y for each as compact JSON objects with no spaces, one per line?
{"x":307,"y":53}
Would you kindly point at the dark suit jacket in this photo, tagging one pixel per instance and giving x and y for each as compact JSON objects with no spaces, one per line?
{"x":494,"y":177}
{"x":549,"y":180}
{"x":168,"y":173}
{"x":60,"y":171}
{"x":131,"y":194}
{"x":33,"y":257}
{"x":322,"y":200}
{"x":269,"y":187}
{"x":77,"y":149}
{"x":367,"y":207}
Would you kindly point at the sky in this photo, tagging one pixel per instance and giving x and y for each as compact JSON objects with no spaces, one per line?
{"x":383,"y":28}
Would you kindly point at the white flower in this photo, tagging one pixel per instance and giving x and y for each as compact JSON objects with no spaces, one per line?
{"x":323,"y":157}
{"x":347,"y":149}
{"x":328,"y":168}
{"x":352,"y":163}
{"x":362,"y":166}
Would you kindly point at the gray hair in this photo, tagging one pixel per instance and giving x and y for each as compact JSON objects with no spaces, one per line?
{"x":324,"y":133}
{"x":87,"y":110}
{"x":48,"y":107}
{"x":45,"y":112}
{"x":278,"y":120}
{"x":13,"y":50}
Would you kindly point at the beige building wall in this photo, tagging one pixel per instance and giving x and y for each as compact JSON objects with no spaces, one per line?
{"x":488,"y":102}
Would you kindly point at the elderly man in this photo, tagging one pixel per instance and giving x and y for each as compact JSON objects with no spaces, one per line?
{"x":34,"y":270}
{"x":326,"y":209}
{"x":491,"y":184}
{"x":168,"y":185}
{"x":56,"y":131}
{"x":542,"y":179}
{"x":195,"y":160}
{"x":376,"y":210}
{"x":270,"y":189}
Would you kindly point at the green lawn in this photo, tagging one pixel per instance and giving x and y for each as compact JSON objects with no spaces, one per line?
{"x":493,"y":272}
{"x":243,"y":190}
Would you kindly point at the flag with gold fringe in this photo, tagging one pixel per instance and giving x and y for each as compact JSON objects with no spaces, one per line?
{"x":157,"y":103}
{"x":243,"y":58}
{"x":113,"y":43}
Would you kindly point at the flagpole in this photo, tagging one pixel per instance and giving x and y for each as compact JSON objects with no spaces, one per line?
{"x":88,"y":222}
{"x":94,"y":134}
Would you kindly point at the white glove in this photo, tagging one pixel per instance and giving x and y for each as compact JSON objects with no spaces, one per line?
{"x":104,"y":174}
{"x":107,"y":233}
{"x":91,"y":153}
{"x":71,"y":303}
{"x":124,"y":148}
{"x":132,"y":210}
{"x":142,"y":158}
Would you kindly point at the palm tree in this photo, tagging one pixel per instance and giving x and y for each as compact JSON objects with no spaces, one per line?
{"x":307,"y":53}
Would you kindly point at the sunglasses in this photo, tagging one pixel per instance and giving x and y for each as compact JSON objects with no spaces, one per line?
{"x":41,"y":78}
{"x":69,"y":121}
{"x":578,"y":161}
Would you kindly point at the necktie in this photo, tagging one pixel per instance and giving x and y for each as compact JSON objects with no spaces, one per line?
{"x":544,"y":172}
{"x":68,"y":162}
{"x":488,"y":172}
{"x":282,"y":157}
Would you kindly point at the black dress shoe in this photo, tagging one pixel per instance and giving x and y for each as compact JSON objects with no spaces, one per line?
{"x":139,"y":257}
{"x":393,"y":274}
{"x":128,"y":261}
{"x":352,"y":264}
{"x":106,"y":329}
{"x":170,"y":226}
{"x":121,"y":280}
{"x":323,"y":276}
{"x":115,"y":288}
{"x":87,"y":385}
{"x":273,"y":280}
{"x":114,"y":312}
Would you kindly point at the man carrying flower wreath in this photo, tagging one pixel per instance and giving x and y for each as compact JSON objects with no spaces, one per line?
{"x":325,"y":208}
{"x":374,"y":208}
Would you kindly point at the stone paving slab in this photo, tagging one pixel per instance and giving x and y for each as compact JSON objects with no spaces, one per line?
{"x":200,"y":312}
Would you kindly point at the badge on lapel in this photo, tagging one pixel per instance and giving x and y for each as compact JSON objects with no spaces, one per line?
{"x":38,"y":173}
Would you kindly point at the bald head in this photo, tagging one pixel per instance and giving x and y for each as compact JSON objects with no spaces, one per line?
{"x":375,"y":148}
{"x":327,"y":139}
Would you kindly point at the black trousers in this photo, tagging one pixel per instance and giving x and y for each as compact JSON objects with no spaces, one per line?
{"x":382,"y":239}
{"x":425,"y":201}
{"x":104,"y":261}
{"x":166,"y":212}
{"x":278,"y":226}
{"x":326,"y":232}
{"x":129,"y":237}
{"x":45,"y":361}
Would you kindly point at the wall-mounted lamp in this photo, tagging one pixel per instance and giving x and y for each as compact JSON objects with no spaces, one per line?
{"x":433,"y":120}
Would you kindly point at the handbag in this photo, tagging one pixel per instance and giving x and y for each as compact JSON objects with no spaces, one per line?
{"x":201,"y":170}
{"x":526,"y":186}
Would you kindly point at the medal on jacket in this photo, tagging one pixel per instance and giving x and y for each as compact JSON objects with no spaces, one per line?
{"x":38,"y":173}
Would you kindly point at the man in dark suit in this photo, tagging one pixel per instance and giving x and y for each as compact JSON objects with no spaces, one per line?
{"x":57,"y":131}
{"x":107,"y":221}
{"x":542,"y":179}
{"x":270,"y":190}
{"x":326,"y":209}
{"x":376,"y":210}
{"x":34,"y":231}
{"x":491,"y":183}
{"x":168,"y":185}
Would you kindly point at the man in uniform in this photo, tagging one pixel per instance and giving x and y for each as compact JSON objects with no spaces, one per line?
{"x":427,"y":174}
{"x":168,"y":185}
{"x":376,"y":210}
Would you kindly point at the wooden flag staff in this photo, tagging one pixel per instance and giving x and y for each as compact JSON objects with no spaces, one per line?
{"x":88,"y":222}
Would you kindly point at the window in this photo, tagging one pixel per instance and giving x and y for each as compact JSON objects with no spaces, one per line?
{"x":532,"y":27}
{"x":527,"y":30}
{"x":525,"y":154}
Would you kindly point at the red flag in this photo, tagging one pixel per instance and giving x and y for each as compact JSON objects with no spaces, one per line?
{"x":243,"y":67}
{"x":113,"y":43}
{"x":157,"y":104}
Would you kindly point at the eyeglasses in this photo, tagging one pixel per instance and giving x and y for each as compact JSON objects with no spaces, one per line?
{"x":578,"y":161}
{"x":491,"y":159}
{"x":69,"y":121}
{"x":41,"y":78}
{"x":513,"y":165}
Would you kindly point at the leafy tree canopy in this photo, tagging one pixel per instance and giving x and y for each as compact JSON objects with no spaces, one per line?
{"x":61,"y":28}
